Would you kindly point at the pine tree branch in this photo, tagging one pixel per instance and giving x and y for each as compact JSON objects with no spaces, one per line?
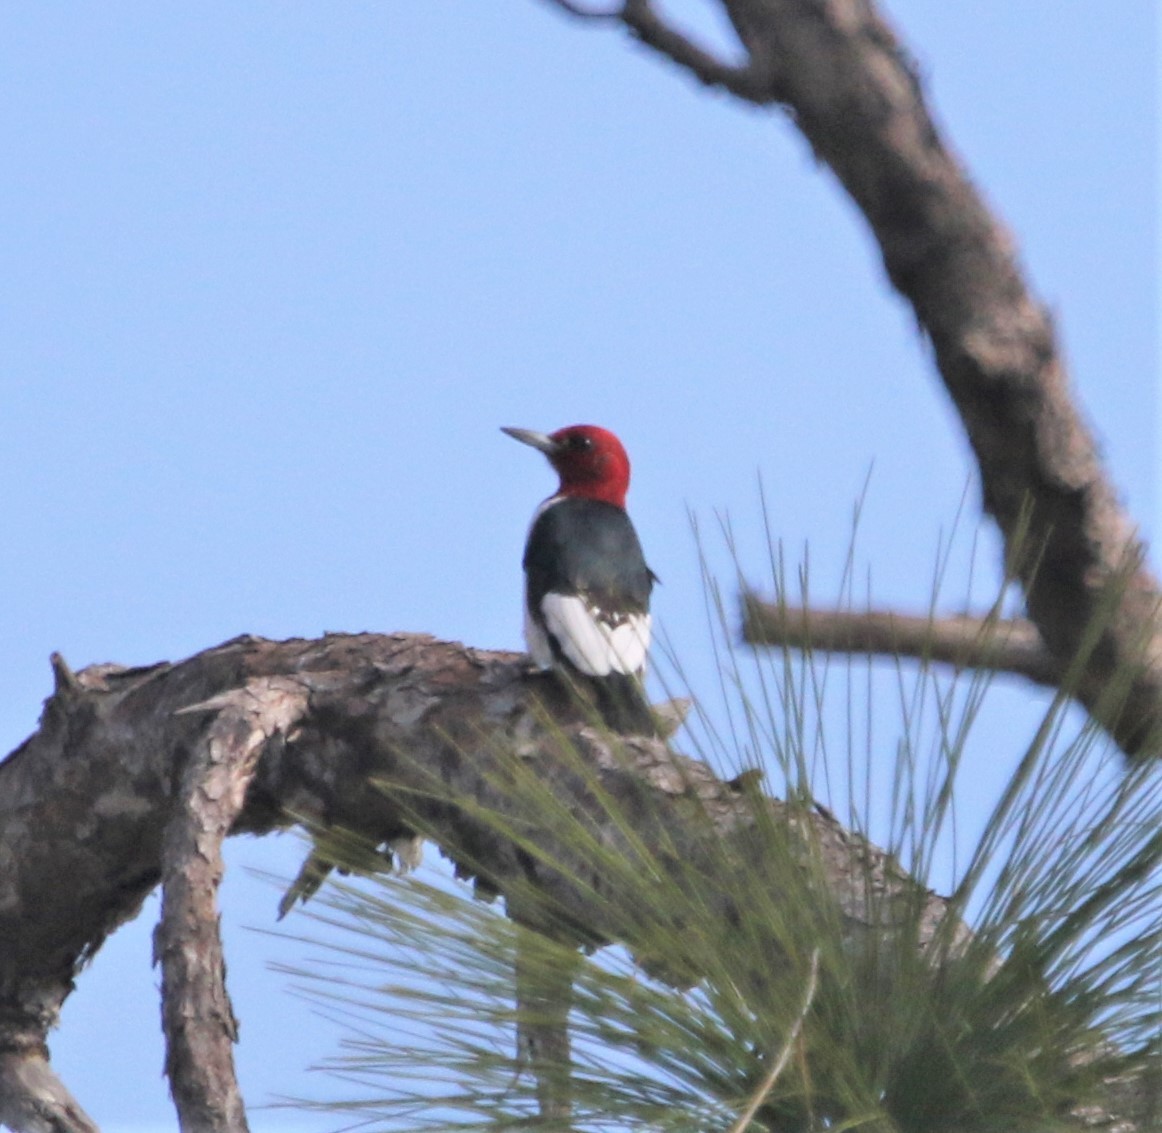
{"x":544,"y":997}
{"x":135,"y":776}
{"x":750,"y":81}
{"x":33,"y":1099}
{"x":856,"y":96}
{"x":1007,"y":645}
{"x":583,"y":12}
{"x":197,"y":1017}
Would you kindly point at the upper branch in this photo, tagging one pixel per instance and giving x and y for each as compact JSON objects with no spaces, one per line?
{"x":1075,"y":551}
{"x":1000,"y":645}
{"x":751,"y":80}
{"x":857,"y":99}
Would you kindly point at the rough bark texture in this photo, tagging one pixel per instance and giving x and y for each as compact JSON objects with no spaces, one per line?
{"x":197,"y":1017}
{"x":136,"y":775}
{"x":856,"y":97}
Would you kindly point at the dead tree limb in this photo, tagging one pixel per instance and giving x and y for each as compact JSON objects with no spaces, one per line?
{"x":136,"y":775}
{"x":198,"y":1021}
{"x":1006,"y":645}
{"x":839,"y":68}
{"x":33,"y":1099}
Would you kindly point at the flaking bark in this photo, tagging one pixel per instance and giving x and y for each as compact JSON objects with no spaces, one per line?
{"x":197,"y":1018}
{"x":135,"y":776}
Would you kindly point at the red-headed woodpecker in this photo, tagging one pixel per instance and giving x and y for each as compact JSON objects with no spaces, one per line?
{"x":587,"y":586}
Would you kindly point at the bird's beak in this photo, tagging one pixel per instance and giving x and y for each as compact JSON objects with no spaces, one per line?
{"x":541,"y":441}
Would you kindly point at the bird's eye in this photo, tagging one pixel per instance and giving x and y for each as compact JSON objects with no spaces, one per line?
{"x":579,"y":442}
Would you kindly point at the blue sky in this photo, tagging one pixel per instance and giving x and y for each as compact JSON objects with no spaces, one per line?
{"x":275,"y":274}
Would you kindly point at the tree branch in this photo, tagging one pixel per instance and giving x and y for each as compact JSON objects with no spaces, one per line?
{"x":751,"y":81}
{"x":33,"y":1099}
{"x":858,"y":101}
{"x":136,"y":775}
{"x":1010,"y":645}
{"x":1075,"y":551}
{"x":197,"y":1017}
{"x":580,"y":12}
{"x":158,"y":765}
{"x":544,"y":998}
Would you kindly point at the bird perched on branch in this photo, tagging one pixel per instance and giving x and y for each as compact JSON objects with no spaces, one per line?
{"x":587,"y":585}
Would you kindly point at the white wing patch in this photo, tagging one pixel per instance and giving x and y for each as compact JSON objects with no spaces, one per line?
{"x":596,"y":643}
{"x":538,"y":642}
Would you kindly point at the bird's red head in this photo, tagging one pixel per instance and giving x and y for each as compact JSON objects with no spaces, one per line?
{"x":590,"y":460}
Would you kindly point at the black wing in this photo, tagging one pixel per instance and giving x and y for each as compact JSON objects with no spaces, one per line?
{"x":587,"y":547}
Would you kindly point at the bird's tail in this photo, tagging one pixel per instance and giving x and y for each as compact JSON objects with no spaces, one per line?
{"x":621,"y":701}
